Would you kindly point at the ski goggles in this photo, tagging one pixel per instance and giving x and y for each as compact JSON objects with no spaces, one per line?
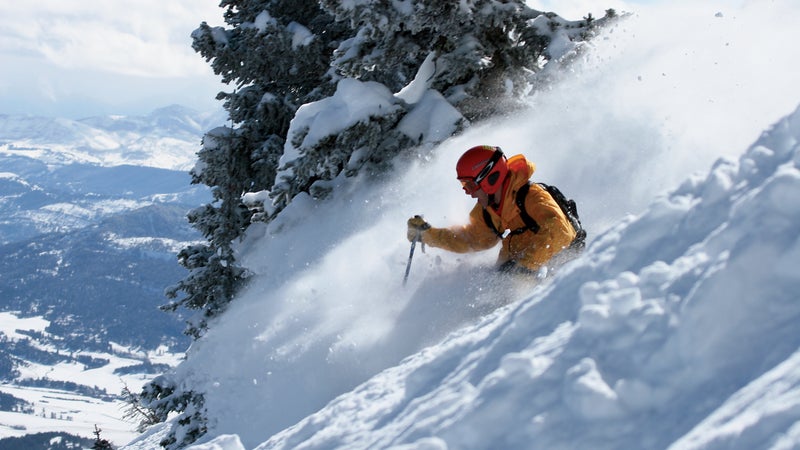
{"x":470,"y":185}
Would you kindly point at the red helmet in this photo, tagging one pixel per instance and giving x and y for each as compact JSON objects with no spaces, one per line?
{"x":485,"y":166}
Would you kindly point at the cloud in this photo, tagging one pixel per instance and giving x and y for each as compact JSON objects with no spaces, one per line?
{"x":146,"y":38}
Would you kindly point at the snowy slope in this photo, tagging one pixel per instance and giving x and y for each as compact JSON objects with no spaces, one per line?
{"x":675,"y":327}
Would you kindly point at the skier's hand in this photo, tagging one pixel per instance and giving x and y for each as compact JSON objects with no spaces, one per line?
{"x":416,"y":225}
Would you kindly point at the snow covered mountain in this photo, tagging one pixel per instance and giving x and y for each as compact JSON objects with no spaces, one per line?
{"x":675,"y":329}
{"x":94,"y":213}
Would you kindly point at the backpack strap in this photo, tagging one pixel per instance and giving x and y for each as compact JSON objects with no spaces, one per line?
{"x":488,"y":219}
{"x":568,"y":207}
{"x":530,"y":223}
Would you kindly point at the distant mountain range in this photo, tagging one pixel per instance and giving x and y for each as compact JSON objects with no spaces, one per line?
{"x":167,"y":138}
{"x":93,"y":215}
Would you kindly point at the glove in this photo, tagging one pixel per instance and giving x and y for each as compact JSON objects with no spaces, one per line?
{"x":416,"y":225}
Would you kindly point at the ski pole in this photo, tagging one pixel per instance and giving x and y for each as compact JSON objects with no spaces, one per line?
{"x":410,"y":257}
{"x":417,"y":238}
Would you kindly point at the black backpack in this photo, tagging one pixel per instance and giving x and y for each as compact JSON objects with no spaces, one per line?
{"x":568,"y":207}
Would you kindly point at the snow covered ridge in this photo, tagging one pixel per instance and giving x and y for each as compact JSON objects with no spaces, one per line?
{"x":676,"y":329}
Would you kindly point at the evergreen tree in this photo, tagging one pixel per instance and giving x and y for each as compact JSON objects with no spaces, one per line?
{"x":100,"y":443}
{"x":135,"y":411}
{"x":485,"y":56}
{"x":214,"y":276}
{"x":365,"y":146}
{"x":277,"y":56}
{"x":486,"y":52}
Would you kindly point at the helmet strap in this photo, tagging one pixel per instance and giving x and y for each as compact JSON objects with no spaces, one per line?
{"x":495,"y":200}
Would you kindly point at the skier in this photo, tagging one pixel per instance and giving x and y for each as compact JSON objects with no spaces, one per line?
{"x":532,"y":226}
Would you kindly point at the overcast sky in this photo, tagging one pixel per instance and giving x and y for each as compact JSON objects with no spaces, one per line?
{"x":80,"y":58}
{"x":77,"y":58}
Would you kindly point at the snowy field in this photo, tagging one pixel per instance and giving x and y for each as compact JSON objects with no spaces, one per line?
{"x":60,"y":410}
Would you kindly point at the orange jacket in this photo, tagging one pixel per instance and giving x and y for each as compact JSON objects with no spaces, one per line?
{"x":530,"y":250}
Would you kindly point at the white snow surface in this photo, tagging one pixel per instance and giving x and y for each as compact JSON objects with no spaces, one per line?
{"x":677,"y":327}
